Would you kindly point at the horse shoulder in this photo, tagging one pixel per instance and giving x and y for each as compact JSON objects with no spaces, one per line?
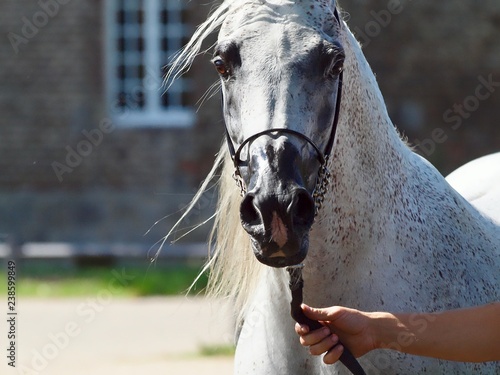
{"x":479,"y":183}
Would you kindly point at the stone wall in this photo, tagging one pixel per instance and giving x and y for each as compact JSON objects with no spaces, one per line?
{"x":108,"y":183}
{"x":437,"y":64}
{"x":49,"y":76}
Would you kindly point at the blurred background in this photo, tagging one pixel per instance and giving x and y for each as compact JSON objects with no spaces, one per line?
{"x":97,"y":161}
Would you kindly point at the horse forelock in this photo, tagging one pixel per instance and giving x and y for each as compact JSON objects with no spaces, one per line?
{"x":317,"y":13}
{"x":314,"y":15}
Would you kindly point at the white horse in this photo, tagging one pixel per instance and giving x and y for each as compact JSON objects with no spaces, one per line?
{"x":479,"y":182}
{"x":392,"y":234}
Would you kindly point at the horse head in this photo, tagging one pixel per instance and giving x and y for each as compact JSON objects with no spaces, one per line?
{"x":279,"y":67}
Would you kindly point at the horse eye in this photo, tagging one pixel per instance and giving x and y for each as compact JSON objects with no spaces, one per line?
{"x":332,"y":59}
{"x":221,"y":67}
{"x":337,"y":68}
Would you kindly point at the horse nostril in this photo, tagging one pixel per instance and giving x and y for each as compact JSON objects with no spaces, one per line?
{"x":303,"y":209}
{"x":248,"y":212}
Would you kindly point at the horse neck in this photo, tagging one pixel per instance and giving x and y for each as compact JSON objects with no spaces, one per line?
{"x":369,"y":153}
{"x":386,"y":206}
{"x":367,"y":166}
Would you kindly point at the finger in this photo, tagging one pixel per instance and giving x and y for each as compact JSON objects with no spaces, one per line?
{"x":315,"y":336}
{"x":333,"y":355}
{"x":324,"y":346}
{"x":319,"y":314}
{"x":301,"y":329}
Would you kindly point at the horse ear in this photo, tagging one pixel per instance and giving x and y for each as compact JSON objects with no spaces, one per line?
{"x":331,"y":3}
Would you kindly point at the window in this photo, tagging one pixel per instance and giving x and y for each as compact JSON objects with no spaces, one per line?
{"x":141,"y":37}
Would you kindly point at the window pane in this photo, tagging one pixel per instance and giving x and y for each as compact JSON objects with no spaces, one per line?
{"x":146,"y":33}
{"x":174,"y":34}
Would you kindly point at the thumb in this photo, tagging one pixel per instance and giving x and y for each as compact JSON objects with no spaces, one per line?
{"x":317,"y":313}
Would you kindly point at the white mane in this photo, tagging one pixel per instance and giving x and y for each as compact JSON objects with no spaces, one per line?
{"x":233,"y":268}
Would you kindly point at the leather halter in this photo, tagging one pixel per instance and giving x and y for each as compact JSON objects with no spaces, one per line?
{"x":323,"y":157}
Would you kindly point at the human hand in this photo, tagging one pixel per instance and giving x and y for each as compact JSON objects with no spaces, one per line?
{"x":465,"y":335}
{"x":350,"y":326}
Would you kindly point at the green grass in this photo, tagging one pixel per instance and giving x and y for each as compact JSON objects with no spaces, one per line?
{"x":46,"y":280}
{"x":217,"y":350}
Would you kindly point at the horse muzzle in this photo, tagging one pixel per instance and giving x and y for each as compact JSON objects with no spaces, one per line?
{"x":278,"y":225}
{"x":278,"y":209}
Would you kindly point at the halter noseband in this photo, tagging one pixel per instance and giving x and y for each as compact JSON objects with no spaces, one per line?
{"x":324,"y":175}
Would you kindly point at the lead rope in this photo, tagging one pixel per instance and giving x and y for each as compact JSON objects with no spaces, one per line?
{"x":296,"y":285}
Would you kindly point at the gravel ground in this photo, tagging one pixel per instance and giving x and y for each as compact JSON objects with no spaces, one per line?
{"x":103,"y":336}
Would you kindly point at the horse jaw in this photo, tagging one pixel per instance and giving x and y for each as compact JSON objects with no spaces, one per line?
{"x":280,"y":258}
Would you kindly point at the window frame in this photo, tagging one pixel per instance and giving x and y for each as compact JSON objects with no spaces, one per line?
{"x":154,"y":113}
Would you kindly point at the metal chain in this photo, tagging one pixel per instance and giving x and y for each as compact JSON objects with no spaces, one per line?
{"x":239,"y":182}
{"x":321,"y":188}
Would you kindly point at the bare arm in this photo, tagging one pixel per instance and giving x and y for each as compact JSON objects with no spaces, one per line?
{"x":466,"y":335}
